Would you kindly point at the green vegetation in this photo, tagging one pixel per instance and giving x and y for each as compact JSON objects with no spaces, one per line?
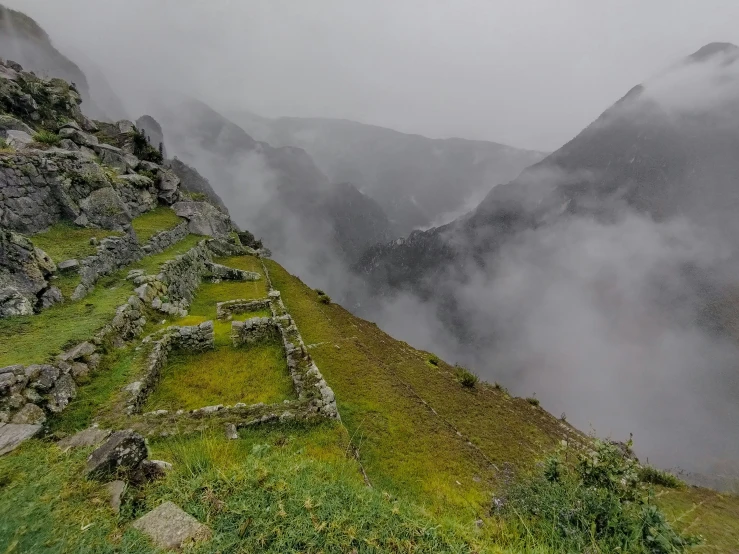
{"x":532,"y":400}
{"x":225,"y":375}
{"x":434,"y":452}
{"x":649,"y":474}
{"x":466,"y":377}
{"x":47,"y":137}
{"x":151,"y":264}
{"x":143,"y":150}
{"x":64,"y":241}
{"x":599,"y":506}
{"x":4,"y":146}
{"x":159,"y":219}
{"x":34,"y":339}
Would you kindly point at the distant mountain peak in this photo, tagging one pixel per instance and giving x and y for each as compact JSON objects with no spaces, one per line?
{"x":713,"y":48}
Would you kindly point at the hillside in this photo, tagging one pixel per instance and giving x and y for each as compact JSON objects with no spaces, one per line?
{"x":418,"y":181}
{"x":278,"y":420}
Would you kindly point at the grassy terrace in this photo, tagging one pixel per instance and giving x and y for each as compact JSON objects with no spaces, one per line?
{"x":149,"y":224}
{"x":225,"y":375}
{"x":65,"y":241}
{"x":35,"y":339}
{"x":294,"y":488}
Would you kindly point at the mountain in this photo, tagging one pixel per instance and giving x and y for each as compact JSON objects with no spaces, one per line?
{"x":274,"y":191}
{"x":416,"y":180}
{"x":667,"y":148}
{"x":24,"y":41}
{"x":164,"y":387}
{"x":605,"y":274}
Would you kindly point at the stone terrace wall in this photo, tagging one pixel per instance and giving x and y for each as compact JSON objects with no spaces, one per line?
{"x":219,"y":272}
{"x":114,"y":253}
{"x":27,"y":393}
{"x":225,"y":310}
{"x":194,"y":338}
{"x":254,"y":330}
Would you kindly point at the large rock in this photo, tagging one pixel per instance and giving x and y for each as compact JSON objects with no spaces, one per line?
{"x":123,"y":453}
{"x":12,"y":434}
{"x":9,"y":123}
{"x":91,"y":436}
{"x":169,"y":527}
{"x":18,"y":139}
{"x":13,"y":303}
{"x":105,"y":209}
{"x":30,"y":414}
{"x":49,"y":297}
{"x":64,"y":390}
{"x":116,"y":158}
{"x":203,"y":218}
{"x":24,"y":270}
{"x":169,"y":186}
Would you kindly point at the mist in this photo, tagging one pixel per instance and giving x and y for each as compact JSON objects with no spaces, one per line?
{"x":603,"y":319}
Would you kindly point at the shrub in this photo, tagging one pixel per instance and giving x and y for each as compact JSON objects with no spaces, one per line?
{"x":4,"y":144}
{"x":649,"y":474}
{"x":47,"y":137}
{"x":500,"y":387}
{"x":466,"y":377}
{"x":320,"y":292}
{"x":597,"y":505}
{"x":143,"y":150}
{"x":325,"y":299}
{"x":434,"y":359}
{"x":533,"y":400}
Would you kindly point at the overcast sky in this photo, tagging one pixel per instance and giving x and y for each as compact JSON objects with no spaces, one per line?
{"x":530,"y":73}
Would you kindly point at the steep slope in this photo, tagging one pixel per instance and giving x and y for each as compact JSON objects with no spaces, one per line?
{"x":418,"y":181}
{"x":24,"y":41}
{"x":274,"y":191}
{"x":628,"y":226}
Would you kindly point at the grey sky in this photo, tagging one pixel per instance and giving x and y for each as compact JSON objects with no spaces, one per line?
{"x":531,"y":73}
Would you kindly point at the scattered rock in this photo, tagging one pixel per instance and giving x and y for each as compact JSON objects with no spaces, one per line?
{"x":51,"y":296}
{"x":78,"y":352}
{"x":123,"y":452}
{"x":170,"y":527}
{"x":116,"y":490}
{"x":69,"y":265}
{"x":64,"y":390}
{"x":13,"y":434}
{"x":88,"y":437}
{"x":30,"y":414}
{"x":231,"y":432}
{"x":203,"y":218}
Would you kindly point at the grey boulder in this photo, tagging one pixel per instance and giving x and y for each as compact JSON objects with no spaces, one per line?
{"x":203,"y":218}
{"x":123,"y":452}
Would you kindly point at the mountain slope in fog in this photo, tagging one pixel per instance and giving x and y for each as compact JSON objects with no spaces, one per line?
{"x":277,"y":192}
{"x":418,"y":181}
{"x":24,"y":41}
{"x":602,"y":276}
{"x":667,"y":148}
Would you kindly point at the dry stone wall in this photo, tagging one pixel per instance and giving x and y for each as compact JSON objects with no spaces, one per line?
{"x":29,"y":393}
{"x":193,"y":338}
{"x":226,"y":310}
{"x":114,"y":253}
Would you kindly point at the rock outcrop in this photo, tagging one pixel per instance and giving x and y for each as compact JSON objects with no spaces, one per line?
{"x":121,"y":454}
{"x":24,"y":271}
{"x":203,"y":218}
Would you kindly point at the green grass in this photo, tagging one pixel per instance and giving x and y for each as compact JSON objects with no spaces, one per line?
{"x":225,"y":375}
{"x":34,"y":339}
{"x":47,"y":137}
{"x":64,"y":241}
{"x":151,"y":264}
{"x":149,"y":224}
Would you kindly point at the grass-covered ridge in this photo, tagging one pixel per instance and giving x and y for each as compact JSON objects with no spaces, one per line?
{"x":413,"y":466}
{"x":65,"y":241}
{"x":159,"y":219}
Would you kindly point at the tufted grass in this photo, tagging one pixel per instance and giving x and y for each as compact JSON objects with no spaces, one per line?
{"x":225,"y":375}
{"x":36,"y":338}
{"x":300,"y":488}
{"x":151,"y":264}
{"x":64,"y":241}
{"x":161,"y":218}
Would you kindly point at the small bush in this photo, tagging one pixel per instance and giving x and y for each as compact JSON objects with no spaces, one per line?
{"x":143,"y":150}
{"x":649,"y":474}
{"x":597,"y":505}
{"x":320,"y":292}
{"x":434,"y":359}
{"x":466,"y":377}
{"x":533,"y":400}
{"x":500,"y":387}
{"x":197,"y":196}
{"x":325,"y":299}
{"x":4,"y":144}
{"x":47,"y":137}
